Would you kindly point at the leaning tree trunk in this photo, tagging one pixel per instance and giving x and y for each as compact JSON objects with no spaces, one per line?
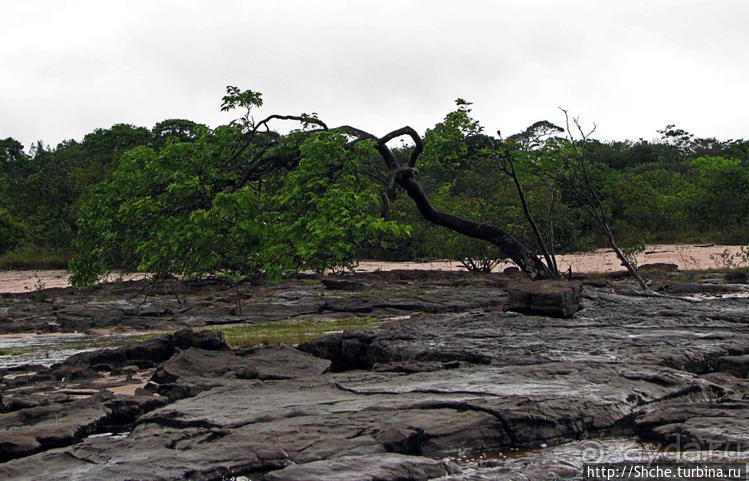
{"x":528,"y":262}
{"x":623,"y":259}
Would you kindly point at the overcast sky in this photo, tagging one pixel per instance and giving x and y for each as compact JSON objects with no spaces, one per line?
{"x":68,"y":67}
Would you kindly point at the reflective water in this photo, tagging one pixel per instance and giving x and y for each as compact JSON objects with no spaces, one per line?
{"x":48,"y":349}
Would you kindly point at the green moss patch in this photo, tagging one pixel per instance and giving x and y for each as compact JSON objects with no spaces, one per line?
{"x":291,"y":332}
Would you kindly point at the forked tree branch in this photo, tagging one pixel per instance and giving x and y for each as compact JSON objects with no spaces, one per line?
{"x":404,"y":177}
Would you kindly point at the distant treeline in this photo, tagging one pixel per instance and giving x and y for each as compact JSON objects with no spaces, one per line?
{"x":676,"y":189}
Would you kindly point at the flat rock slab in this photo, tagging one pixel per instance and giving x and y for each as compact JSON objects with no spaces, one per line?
{"x":30,"y":430}
{"x":378,"y":468}
{"x":566,"y":462}
{"x":171,"y":305}
{"x":736,"y":365}
{"x":697,"y":426}
{"x":194,"y":370}
{"x":610,"y":327}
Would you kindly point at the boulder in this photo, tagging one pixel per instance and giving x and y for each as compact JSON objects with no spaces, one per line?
{"x":143,"y":354}
{"x":551,"y":298}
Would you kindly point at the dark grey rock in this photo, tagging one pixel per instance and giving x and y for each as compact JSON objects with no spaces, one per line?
{"x":26,"y":431}
{"x":553,"y":298}
{"x":736,"y":365}
{"x":268,"y":362}
{"x":737,"y":276}
{"x":344,"y":284}
{"x":658,"y":267}
{"x":143,"y":354}
{"x":696,"y":426}
{"x":380,"y":467}
{"x":702,"y":288}
{"x":390,"y":403}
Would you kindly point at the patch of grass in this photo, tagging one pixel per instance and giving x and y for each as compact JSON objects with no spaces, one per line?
{"x":291,"y":332}
{"x":32,"y":257}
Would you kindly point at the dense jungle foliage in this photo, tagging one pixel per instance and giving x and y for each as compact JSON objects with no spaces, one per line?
{"x":183,"y":198}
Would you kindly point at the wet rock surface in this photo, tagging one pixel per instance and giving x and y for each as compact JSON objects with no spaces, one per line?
{"x":170,"y":304}
{"x":438,"y":393}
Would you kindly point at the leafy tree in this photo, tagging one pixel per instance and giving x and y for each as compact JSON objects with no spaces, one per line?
{"x":176,"y":130}
{"x":720,"y":196}
{"x":243,"y":198}
{"x":46,"y":186}
{"x":12,"y":157}
{"x":679,"y":138}
{"x":449,"y":150}
{"x":404,"y":177}
{"x":169,"y":212}
{"x":42,"y":196}
{"x":324,"y":210}
{"x":234,"y":201}
{"x":104,"y":146}
{"x":11,"y":231}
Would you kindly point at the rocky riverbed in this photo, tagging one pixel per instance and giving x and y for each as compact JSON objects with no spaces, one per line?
{"x":460,"y":382}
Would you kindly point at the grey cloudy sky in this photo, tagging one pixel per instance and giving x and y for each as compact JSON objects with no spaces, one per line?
{"x":631,"y":66}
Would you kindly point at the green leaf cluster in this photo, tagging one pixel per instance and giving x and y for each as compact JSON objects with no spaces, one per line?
{"x":325,"y":210}
{"x":183,"y":211}
{"x":12,"y":231}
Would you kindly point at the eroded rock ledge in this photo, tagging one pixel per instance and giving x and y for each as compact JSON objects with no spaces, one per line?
{"x":392,"y":403}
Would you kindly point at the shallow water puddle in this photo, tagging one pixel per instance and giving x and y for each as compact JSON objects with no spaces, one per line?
{"x":48,"y":349}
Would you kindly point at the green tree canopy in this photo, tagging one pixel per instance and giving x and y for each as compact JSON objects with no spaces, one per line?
{"x":233,"y":201}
